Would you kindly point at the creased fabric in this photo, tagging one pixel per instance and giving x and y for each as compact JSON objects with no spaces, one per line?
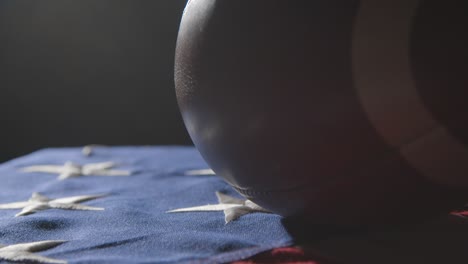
{"x":135,"y":226}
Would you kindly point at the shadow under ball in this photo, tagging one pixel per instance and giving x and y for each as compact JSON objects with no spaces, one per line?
{"x":346,"y":113}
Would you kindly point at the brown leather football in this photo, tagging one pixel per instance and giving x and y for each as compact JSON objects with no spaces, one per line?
{"x":345,"y":112}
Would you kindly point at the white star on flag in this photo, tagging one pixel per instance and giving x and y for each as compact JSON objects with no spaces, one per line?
{"x":233,"y":207}
{"x":70,"y":170}
{"x":39,"y":202}
{"x":88,"y":150}
{"x":200,"y":172}
{"x":24,"y":252}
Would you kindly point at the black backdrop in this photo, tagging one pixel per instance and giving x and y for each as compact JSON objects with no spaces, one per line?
{"x":76,"y":72}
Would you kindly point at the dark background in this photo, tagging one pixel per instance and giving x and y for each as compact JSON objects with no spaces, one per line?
{"x":77,"y":72}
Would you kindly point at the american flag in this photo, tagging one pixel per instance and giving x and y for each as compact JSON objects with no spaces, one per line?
{"x":164,"y":205}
